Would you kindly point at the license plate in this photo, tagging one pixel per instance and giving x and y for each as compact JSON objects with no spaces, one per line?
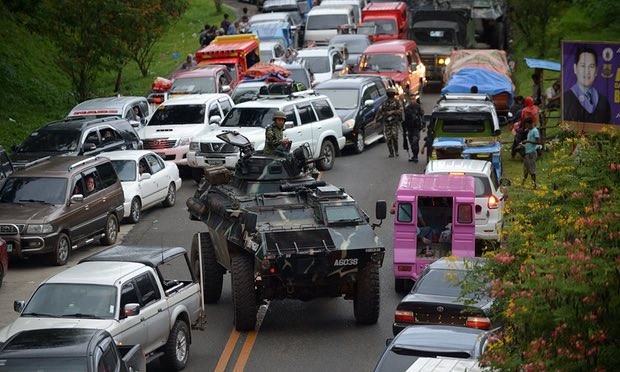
{"x":215,"y":162}
{"x":9,"y":247}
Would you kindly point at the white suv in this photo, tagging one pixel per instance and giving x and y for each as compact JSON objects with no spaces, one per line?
{"x":180,"y":118}
{"x":310,"y":118}
{"x":489,"y":196}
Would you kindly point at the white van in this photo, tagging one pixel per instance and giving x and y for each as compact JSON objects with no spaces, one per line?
{"x":323,"y":22}
{"x":357,"y":5}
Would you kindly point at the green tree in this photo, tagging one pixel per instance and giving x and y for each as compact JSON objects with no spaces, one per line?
{"x":557,"y":279}
{"x":532,"y":18}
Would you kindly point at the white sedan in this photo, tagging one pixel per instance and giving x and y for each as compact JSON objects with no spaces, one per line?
{"x":146,"y":179}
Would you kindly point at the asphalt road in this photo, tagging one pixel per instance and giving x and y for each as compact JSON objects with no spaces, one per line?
{"x":292,"y":335}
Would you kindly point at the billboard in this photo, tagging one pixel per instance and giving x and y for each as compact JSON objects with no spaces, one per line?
{"x":590,"y":84}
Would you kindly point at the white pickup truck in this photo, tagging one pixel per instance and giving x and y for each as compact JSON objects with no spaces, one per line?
{"x":140,"y":295}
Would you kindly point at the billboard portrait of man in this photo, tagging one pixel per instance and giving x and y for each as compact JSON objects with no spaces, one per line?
{"x":588,"y":78}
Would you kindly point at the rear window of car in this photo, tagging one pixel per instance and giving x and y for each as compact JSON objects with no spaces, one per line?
{"x":323,"y":109}
{"x":249,"y":117}
{"x":126,"y":169}
{"x":441,"y":283}
{"x":107,"y":174}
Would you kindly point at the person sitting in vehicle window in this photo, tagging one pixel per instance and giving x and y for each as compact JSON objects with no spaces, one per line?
{"x":90,"y":184}
{"x":77,"y":189}
{"x":136,"y":113}
{"x":142,"y":167}
{"x":107,"y":135}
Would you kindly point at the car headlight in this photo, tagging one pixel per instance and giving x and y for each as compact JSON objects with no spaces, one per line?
{"x":447,"y":61}
{"x":348,"y":124}
{"x":39,"y":229}
{"x":184,"y":141}
{"x":194,"y":146}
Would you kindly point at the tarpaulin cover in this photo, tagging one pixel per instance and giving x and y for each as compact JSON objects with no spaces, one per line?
{"x":272,"y":31}
{"x":541,"y":63}
{"x":266,"y":72}
{"x":488,"y":82}
{"x":488,"y":59}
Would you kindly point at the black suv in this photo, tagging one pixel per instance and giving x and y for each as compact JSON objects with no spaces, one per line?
{"x":76,"y":136}
{"x":356,"y":99}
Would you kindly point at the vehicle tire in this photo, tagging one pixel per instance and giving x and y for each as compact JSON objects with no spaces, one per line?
{"x":367,"y":296}
{"x":111,"y":230}
{"x":213,"y":272}
{"x":176,"y":349}
{"x":171,"y":196}
{"x":359,"y":146}
{"x":62,"y":251}
{"x":134,"y":212}
{"x":244,"y":297}
{"x":197,"y":174}
{"x":329,"y":152}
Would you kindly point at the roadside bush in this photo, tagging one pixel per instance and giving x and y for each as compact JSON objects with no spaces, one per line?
{"x":557,"y":278}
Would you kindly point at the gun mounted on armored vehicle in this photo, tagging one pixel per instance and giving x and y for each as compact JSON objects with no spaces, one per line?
{"x":283,"y":234}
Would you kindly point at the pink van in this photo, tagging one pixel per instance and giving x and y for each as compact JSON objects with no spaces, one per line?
{"x":446,"y":205}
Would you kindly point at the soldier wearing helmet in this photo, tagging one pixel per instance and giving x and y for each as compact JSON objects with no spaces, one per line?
{"x":392,"y":114}
{"x":274,"y":135}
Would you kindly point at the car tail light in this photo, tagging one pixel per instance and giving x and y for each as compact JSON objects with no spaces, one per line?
{"x":493,"y":202}
{"x":478,"y":322}
{"x":402,"y":316}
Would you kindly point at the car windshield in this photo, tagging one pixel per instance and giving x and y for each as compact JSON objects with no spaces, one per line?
{"x":69,"y":300}
{"x":343,"y":99}
{"x":51,"y":141}
{"x":248,"y":117}
{"x":178,"y":115}
{"x":318,"y":65}
{"x":45,"y":364}
{"x":46,"y":190}
{"x":326,"y":21}
{"x":433,"y":36}
{"x":126,"y":169}
{"x":442,"y":283}
{"x":384,"y":62}
{"x":193,"y":85}
{"x":385,"y":27}
{"x":343,"y":213}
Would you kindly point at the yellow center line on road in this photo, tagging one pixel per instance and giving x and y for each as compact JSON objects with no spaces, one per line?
{"x":245,"y":352}
{"x":228,"y":349}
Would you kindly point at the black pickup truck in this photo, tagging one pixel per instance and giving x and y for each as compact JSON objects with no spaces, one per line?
{"x":69,"y":349}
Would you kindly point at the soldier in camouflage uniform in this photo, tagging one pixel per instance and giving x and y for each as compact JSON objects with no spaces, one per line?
{"x":392,"y":114}
{"x":274,"y":135}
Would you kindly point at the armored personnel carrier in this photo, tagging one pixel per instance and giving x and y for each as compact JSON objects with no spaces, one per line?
{"x":283,"y":234}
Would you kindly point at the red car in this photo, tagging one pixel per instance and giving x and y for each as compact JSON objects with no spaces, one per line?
{"x":4,"y":260}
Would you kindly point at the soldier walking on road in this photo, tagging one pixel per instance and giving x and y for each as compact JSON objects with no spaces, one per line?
{"x":391,"y":113}
{"x":411,"y":128}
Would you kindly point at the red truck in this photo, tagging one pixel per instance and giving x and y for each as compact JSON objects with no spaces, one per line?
{"x":389,"y":20}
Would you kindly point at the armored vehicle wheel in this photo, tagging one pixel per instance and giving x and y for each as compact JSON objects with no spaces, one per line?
{"x":244,"y":298}
{"x":171,"y":196}
{"x":176,"y":350}
{"x":60,"y":255}
{"x":212,"y":271}
{"x":328,"y":152}
{"x":111,"y":230}
{"x":366,"y":302}
{"x":134,"y":213}
{"x":359,"y":143}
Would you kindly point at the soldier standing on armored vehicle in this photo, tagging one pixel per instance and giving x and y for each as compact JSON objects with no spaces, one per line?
{"x":392,"y":114}
{"x":274,"y":135}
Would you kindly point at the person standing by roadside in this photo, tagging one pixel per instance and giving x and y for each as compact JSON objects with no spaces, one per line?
{"x":411,"y":128}
{"x":225,"y":23}
{"x":203,"y":38}
{"x":553,"y":95}
{"x":392,"y":114}
{"x":536,"y":89}
{"x":531,"y":147}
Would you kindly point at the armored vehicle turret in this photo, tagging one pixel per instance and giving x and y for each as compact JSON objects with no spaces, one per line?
{"x":283,"y":234}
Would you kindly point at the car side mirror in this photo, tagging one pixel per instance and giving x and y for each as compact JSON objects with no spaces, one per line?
{"x":369,"y":103}
{"x":145,"y":176}
{"x":339,"y":67}
{"x":131,"y":310}
{"x":135,"y":123}
{"x":77,"y":198}
{"x":18,"y":306}
{"x":89,"y":146}
{"x":388,"y":341}
{"x":381,"y":209}
{"x":215,"y":119}
{"x":288,"y":124}
{"x":226,"y":88}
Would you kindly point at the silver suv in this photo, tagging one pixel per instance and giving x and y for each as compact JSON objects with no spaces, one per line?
{"x":310,"y":118}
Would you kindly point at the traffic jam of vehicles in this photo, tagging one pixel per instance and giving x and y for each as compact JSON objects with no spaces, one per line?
{"x":252,"y":125}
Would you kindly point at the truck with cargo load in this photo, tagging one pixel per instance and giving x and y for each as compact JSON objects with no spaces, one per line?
{"x":389,"y":19}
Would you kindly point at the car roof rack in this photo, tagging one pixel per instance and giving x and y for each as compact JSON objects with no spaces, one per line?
{"x":283,"y":91}
{"x":83,"y":162}
{"x":465,"y":96}
{"x":31,"y":163}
